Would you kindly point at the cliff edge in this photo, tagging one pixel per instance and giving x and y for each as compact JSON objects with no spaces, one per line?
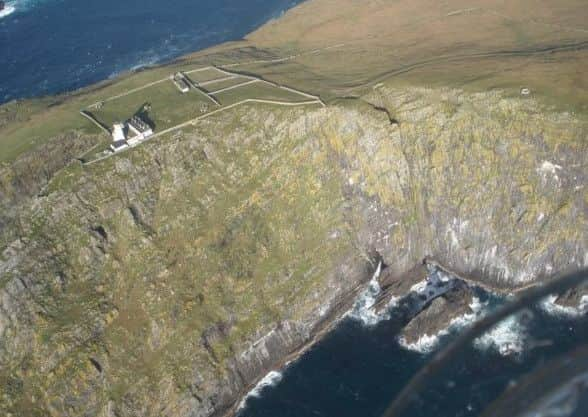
{"x":167,"y":279}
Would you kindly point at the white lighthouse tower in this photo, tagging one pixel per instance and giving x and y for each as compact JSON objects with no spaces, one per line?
{"x":119,"y":139}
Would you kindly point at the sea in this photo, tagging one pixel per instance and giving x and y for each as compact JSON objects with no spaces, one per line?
{"x":54,"y":46}
{"x":360,"y":366}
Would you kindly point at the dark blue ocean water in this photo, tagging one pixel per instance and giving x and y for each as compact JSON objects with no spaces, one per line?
{"x":52,"y":46}
{"x":357,"y":369}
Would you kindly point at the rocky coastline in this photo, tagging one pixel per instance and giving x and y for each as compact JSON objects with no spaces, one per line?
{"x":169,"y":280}
{"x":285,"y":352}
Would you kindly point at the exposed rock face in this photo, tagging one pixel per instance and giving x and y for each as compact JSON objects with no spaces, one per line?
{"x":31,"y":172}
{"x":438,"y":316}
{"x":164,"y":281}
{"x":27,"y":175}
{"x":487,"y":185}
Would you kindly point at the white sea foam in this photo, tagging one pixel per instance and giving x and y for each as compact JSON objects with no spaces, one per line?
{"x":8,"y":10}
{"x":508,"y":337}
{"x":550,"y":306}
{"x":428,"y":343}
{"x":425,"y":344}
{"x":363,"y":309}
{"x":21,"y":6}
{"x":270,"y":380}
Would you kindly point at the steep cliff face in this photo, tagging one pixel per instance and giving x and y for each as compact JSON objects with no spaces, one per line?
{"x":165,"y":280}
{"x":491,"y":186}
{"x":137,"y":285}
{"x":28,"y":174}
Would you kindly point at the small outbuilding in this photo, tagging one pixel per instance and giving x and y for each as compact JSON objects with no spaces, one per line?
{"x":118,"y":132}
{"x":119,"y":138}
{"x":180,"y":82}
{"x":119,"y":145}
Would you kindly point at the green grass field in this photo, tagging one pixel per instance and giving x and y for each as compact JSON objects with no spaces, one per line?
{"x":38,"y":127}
{"x":358,"y":48}
{"x":225,"y":84}
{"x":206,"y":75}
{"x":169,"y":107}
{"x":259,"y":90}
{"x":28,"y":123}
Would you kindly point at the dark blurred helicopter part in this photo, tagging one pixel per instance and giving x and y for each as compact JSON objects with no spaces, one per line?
{"x":418,"y":383}
{"x":556,"y":389}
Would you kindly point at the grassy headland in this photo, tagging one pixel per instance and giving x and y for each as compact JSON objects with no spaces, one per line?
{"x":137,"y":285}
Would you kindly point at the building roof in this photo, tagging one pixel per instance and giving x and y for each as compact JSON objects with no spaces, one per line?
{"x":119,"y":144}
{"x":139,"y":124}
{"x":184,"y":83}
{"x":118,"y":132}
{"x":181,"y":82}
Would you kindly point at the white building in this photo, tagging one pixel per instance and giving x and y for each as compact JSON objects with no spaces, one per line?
{"x":119,"y":145}
{"x":119,"y":138}
{"x":118,"y":132}
{"x":181,"y":83}
{"x":141,"y":129}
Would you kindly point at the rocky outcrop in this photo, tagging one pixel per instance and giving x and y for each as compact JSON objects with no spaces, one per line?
{"x":487,"y":185}
{"x":166,"y":280}
{"x":140,"y":286}
{"x":31,"y":172}
{"x":438,"y":316}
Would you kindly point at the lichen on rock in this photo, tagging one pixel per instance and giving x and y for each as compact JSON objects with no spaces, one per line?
{"x":166,"y":280}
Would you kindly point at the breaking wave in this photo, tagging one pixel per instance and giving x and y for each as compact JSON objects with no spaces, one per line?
{"x":270,"y":380}
{"x":428,"y":343}
{"x":550,"y":306}
{"x":21,"y":6}
{"x":508,"y":337}
{"x":363,"y":310}
{"x":7,"y":11}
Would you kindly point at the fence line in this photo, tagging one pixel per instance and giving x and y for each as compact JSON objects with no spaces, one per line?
{"x":193,"y":121}
{"x":91,"y":118}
